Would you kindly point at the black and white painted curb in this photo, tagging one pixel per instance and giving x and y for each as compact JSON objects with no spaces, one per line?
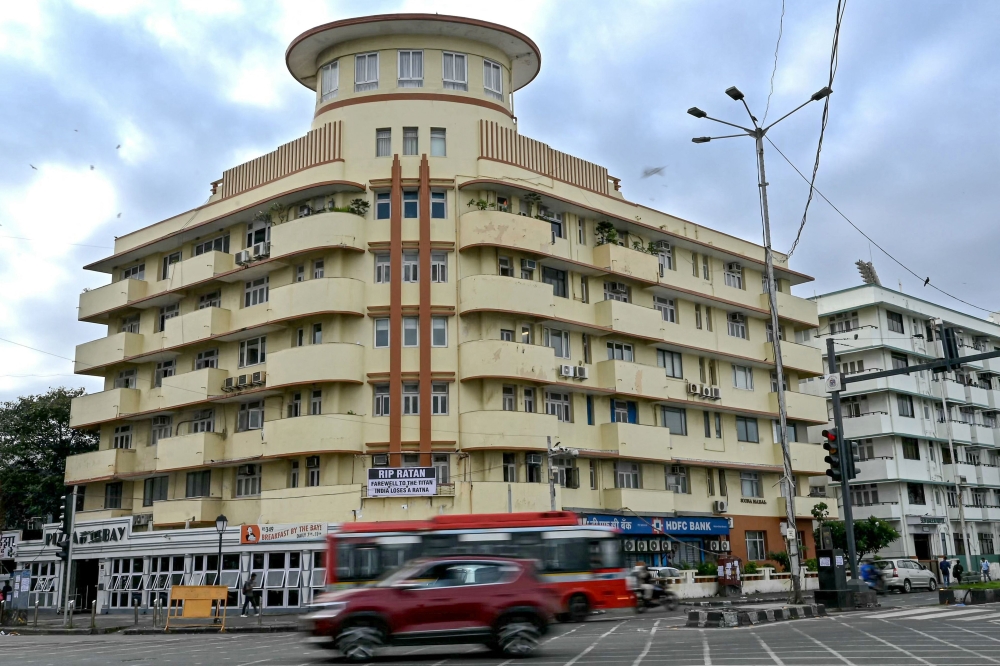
{"x":743,"y":617}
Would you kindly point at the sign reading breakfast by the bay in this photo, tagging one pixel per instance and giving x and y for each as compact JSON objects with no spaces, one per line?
{"x":401,"y":481}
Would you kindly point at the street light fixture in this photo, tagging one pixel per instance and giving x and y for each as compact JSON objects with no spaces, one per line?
{"x":220,"y":525}
{"x":758,"y":133}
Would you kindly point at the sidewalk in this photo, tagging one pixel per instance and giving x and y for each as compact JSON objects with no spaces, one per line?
{"x":49,"y":623}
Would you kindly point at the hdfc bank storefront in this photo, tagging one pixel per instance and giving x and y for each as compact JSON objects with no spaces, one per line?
{"x":660,"y":541}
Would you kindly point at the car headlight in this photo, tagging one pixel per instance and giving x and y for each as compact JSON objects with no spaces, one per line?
{"x":325,"y":611}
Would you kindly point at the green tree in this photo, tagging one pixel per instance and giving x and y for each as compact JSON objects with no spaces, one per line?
{"x":870,"y":535}
{"x":35,"y":439}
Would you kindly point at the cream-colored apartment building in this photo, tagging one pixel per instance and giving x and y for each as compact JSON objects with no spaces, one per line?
{"x":414,"y":282}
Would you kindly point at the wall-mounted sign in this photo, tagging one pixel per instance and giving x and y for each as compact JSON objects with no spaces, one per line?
{"x":401,"y":481}
{"x":659,"y":525}
{"x":753,"y":500}
{"x":254,"y":534}
{"x":8,"y":545}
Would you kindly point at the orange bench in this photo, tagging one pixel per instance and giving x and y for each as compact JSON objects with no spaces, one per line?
{"x":195,"y":602}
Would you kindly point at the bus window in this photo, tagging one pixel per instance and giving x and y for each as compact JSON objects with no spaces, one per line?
{"x":565,"y":555}
{"x":606,"y":554}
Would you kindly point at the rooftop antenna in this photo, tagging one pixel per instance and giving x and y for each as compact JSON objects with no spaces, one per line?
{"x":868,"y":274}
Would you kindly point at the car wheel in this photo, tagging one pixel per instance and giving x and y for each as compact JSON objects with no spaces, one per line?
{"x":579,"y":608}
{"x":359,"y":641}
{"x":931,"y":585}
{"x":907,"y":586}
{"x":516,"y":637}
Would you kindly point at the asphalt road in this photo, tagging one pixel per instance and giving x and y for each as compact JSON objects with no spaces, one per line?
{"x":930,"y":636}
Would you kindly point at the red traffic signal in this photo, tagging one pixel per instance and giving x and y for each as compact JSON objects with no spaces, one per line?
{"x":830,"y":435}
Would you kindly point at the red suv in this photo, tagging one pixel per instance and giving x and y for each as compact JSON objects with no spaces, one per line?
{"x":495,"y":601}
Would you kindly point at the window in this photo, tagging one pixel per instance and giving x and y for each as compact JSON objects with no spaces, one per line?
{"x":585,"y":343}
{"x":756,"y":546}
{"x":255,"y":292}
{"x":665,"y":257}
{"x":439,"y":266}
{"x":674,"y":419}
{"x":382,"y":400}
{"x":203,"y":421}
{"x":666,"y":308}
{"x":411,"y":70}
{"x":122,"y":438}
{"x":506,"y":335}
{"x":154,"y":490}
{"x":915,"y":493}
{"x":411,"y":331}
{"x":911,"y":448}
{"x":627,"y":475}
{"x":616,"y":291}
{"x":527,"y":272}
{"x":365,"y":72}
{"x":750,"y":484}
{"x":526,"y":335}
{"x":504,"y":267}
{"x":619,"y":351}
{"x":843,"y":322}
{"x":312,"y":471}
{"x":705,"y":273}
{"x":411,"y":266}
{"x":218,"y":244}
{"x":708,"y":318}
{"x":774,"y":382}
{"x":623,"y":411}
{"x":383,"y":204}
{"x":895,"y":321}
{"x":130,"y":324}
{"x":163,"y":369}
{"x":439,"y":331}
{"x":161,"y":427}
{"x":247,"y":480}
{"x":718,"y":425}
{"x":168,"y":261}
{"x":737,"y":325}
{"x":381,"y":333}
{"x":557,"y":404}
{"x":734,"y":276}
{"x":492,"y":79}
{"x":556,"y":278}
{"x":677,"y":478}
{"x":442,"y":467}
{"x":769,"y":332}
{"x":746,"y":429}
{"x":411,"y":398}
{"x":318,"y":269}
{"x":251,"y":416}
{"x":383,"y":148}
{"x":439,"y":399}
{"x":865,"y":494}
{"x":137,"y":272}
{"x":253,"y":351}
{"x":382,"y":268}
{"x":168,"y":312}
{"x":455,"y":72}
{"x":529,"y":400}
{"x":316,"y":402}
{"x":329,"y":76}
{"x":113,"y":495}
{"x":509,"y":398}
{"x":295,"y":406}
{"x":258,"y":232}
{"x":558,"y":340}
{"x":411,"y":205}
{"x":510,"y":467}
{"x":899,"y":361}
{"x":697,"y":316}
{"x":533,"y":467}
{"x":210,"y":300}
{"x":410,"y":144}
{"x":905,"y":404}
{"x":299,"y":337}
{"x":317,"y":334}
{"x":293,"y":474}
{"x":300,"y":273}
{"x":743,"y":377}
{"x":199,"y":484}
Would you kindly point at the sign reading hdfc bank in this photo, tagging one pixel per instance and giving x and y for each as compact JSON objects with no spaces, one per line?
{"x":254,"y":534}
{"x":401,"y":481}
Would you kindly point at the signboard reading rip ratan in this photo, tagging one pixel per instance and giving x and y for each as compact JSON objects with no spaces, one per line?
{"x":401,"y":481}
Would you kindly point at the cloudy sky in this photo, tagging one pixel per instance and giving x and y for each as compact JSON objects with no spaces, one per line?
{"x":128,"y":110}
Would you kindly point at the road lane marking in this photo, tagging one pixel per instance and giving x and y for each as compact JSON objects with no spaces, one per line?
{"x":896,"y":647}
{"x":903,"y":613}
{"x":767,"y":649}
{"x":825,"y":647}
{"x":952,"y":645}
{"x":649,"y":644}
{"x":706,"y":652}
{"x":991,"y":616}
{"x":593,"y":645}
{"x":948,"y":615}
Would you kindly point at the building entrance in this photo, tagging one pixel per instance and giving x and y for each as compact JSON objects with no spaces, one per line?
{"x":922,"y":546}
{"x":85,"y":583}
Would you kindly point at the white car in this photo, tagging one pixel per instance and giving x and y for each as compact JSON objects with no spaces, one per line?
{"x":904,"y":575}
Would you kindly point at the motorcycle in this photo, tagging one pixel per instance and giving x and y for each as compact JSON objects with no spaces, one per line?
{"x":660,"y":598}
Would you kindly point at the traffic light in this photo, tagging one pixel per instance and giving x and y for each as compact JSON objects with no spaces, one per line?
{"x":852,"y":462}
{"x":66,"y":513}
{"x":832,"y":445}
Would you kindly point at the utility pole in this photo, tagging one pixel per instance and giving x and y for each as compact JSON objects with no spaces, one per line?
{"x":966,"y":545}
{"x":68,"y":572}
{"x":552,"y":478}
{"x":846,"y":458}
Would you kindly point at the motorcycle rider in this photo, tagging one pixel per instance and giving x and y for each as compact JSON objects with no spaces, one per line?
{"x":643,"y":580}
{"x":871,"y":575}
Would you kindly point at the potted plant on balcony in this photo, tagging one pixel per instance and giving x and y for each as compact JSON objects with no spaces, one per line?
{"x":533,"y":199}
{"x":359,"y":207}
{"x":606,"y":233}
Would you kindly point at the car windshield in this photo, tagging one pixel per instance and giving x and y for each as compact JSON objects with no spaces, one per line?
{"x":452,"y":574}
{"x":401,"y":574}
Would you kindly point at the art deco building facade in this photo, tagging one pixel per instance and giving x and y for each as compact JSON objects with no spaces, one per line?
{"x":416,"y":283}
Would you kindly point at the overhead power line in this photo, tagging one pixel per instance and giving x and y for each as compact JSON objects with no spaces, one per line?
{"x":774,"y":70}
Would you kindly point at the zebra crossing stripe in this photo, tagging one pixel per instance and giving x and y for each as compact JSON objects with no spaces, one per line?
{"x":991,"y":616}
{"x":949,"y":614}
{"x":903,"y":613}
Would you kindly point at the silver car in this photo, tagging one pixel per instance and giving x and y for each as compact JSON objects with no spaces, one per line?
{"x":904,"y":575}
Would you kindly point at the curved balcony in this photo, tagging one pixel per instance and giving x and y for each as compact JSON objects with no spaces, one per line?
{"x":497,"y":358}
{"x":95,"y":304}
{"x":496,"y":429}
{"x":801,"y":406}
{"x":193,"y":327}
{"x":94,"y":408}
{"x":320,"y":433}
{"x":105,"y":351}
{"x":504,"y":294}
{"x":184,"y":389}
{"x":99,"y":466}
{"x":496,"y":228}
{"x":198,"y":449}
{"x":333,"y":294}
{"x":328,"y":362}
{"x":194,"y":270}
{"x":800,"y":310}
{"x":319,"y":231}
{"x":181,"y":511}
{"x":634,"y":441}
{"x":631,"y":319}
{"x":639,"y":379}
{"x":806,"y":360}
{"x":626,"y":261}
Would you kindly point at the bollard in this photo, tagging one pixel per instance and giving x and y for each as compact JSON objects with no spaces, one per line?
{"x":3,"y":607}
{"x":260,"y":615}
{"x":93,"y":615}
{"x":135,"y":605}
{"x":72,"y":609}
{"x":36,"y":613}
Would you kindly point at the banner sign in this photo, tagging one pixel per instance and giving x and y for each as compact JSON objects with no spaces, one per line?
{"x":659,"y":525}
{"x":401,"y":481}
{"x":253,"y":534}
{"x":8,"y":545}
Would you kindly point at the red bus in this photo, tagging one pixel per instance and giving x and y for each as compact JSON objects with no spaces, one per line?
{"x":583,"y":563}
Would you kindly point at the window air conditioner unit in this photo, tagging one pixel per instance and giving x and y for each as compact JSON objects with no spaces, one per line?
{"x":247,"y":470}
{"x":628,"y":545}
{"x":258,"y":378}
{"x":572,"y":477}
{"x":720,"y":506}
{"x":262,"y":249}
{"x":736,"y":317}
{"x":229,"y":384}
{"x":533,"y":459}
{"x":724,"y":546}
{"x":662,"y":245}
{"x":716,"y":393}
{"x":566,"y":370}
{"x":641,"y":545}
{"x":733,"y":267}
{"x":582,"y":372}
{"x":380,"y":460}
{"x":694,"y":389}
{"x":706,"y":391}
{"x":654,"y":545}
{"x":140,"y":519}
{"x":713,"y":545}
{"x":529,"y":264}
{"x":668,"y":546}
{"x":243,"y":257}
{"x":241,"y":381}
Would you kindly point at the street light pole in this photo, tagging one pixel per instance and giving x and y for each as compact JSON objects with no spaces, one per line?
{"x":220,"y":524}
{"x":758,"y":134}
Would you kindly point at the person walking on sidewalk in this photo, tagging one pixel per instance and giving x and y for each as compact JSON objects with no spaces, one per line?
{"x":984,"y":567}
{"x":250,"y":595}
{"x":945,"y":567}
{"x":959,"y":570}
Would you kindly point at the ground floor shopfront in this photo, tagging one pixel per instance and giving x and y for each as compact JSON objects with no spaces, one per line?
{"x":667,"y":541}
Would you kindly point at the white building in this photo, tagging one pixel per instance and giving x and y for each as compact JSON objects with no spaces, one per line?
{"x":907,"y":470}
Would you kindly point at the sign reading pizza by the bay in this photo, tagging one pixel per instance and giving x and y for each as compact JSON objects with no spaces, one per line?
{"x":401,"y":481}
